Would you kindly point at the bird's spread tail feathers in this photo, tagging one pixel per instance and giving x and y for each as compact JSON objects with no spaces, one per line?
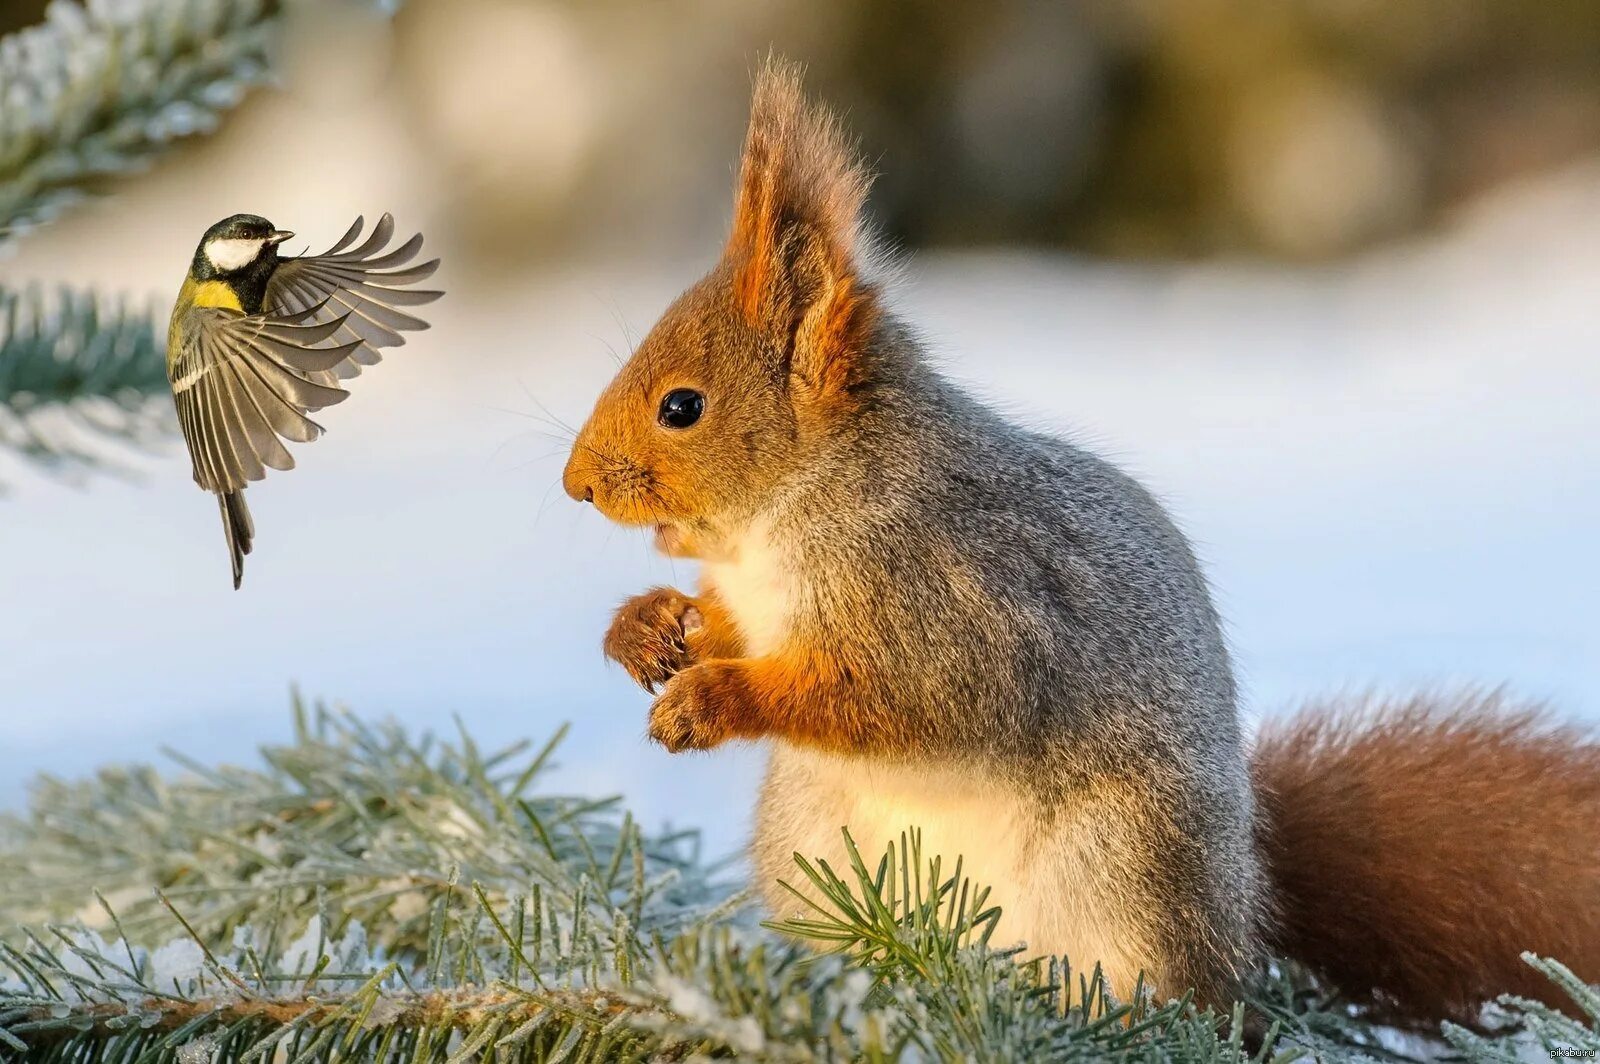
{"x":1418,"y":849}
{"x":239,"y":529}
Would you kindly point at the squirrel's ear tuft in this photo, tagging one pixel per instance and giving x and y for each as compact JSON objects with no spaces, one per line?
{"x":797,"y":224}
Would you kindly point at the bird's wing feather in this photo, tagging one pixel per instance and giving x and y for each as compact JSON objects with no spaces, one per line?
{"x":243,"y":380}
{"x":364,"y":286}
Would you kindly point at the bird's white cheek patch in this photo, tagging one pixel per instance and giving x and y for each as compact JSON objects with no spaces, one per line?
{"x":230,"y":253}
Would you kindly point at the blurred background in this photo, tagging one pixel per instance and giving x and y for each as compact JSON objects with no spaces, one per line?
{"x":1322,"y":272}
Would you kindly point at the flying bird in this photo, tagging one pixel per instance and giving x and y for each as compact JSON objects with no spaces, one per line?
{"x":257,"y":342}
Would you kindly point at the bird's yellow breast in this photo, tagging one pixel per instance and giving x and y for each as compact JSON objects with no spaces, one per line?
{"x":209,"y":294}
{"x":196,"y":294}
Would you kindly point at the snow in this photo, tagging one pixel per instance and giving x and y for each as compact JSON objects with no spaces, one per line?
{"x":199,"y":1050}
{"x":179,"y":963}
{"x":346,"y":954}
{"x":696,"y":1006}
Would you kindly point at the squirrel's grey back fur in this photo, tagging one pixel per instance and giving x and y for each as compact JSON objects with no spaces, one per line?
{"x":1047,"y":595}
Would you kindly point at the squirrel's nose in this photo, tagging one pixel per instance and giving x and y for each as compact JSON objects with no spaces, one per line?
{"x":580,"y":491}
{"x":575,"y":479}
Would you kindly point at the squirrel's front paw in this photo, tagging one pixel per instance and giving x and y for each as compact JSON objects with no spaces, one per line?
{"x":700,"y":708}
{"x":650,"y":636}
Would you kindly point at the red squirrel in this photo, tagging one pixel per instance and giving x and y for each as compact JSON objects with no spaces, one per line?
{"x":935,"y":618}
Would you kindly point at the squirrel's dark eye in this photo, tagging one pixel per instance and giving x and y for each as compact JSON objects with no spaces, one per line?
{"x":681,"y":408}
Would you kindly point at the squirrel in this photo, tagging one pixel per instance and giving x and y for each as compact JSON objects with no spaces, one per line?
{"x":938,"y":619}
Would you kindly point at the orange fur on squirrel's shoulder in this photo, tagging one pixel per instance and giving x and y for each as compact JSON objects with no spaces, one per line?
{"x":811,"y":698}
{"x":803,"y":696}
{"x":1417,"y":850}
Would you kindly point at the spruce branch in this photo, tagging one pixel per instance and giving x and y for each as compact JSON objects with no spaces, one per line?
{"x":357,"y":816}
{"x":1559,"y":1036}
{"x":893,"y":921}
{"x":925,"y":937}
{"x":75,"y":372}
{"x":98,"y":89}
{"x":364,"y":895}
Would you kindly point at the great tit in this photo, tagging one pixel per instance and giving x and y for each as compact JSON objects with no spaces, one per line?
{"x":258,"y":341}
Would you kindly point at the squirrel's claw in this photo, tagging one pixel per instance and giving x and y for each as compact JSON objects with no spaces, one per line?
{"x":648,"y":636}
{"x":673,"y":731}
{"x":697,"y":709}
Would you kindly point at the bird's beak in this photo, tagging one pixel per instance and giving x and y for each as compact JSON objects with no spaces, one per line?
{"x":278,"y":236}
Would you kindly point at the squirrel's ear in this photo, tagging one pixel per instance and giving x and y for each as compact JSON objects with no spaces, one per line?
{"x":796,"y":245}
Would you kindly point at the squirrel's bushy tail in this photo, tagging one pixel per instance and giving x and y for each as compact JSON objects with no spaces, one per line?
{"x":1417,"y":849}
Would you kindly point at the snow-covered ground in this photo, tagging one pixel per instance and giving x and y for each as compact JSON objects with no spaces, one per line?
{"x":1391,"y":468}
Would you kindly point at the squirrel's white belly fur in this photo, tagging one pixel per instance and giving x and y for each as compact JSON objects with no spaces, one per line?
{"x":757,"y":587}
{"x":1058,"y":894}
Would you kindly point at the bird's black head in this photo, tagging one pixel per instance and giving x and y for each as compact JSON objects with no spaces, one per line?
{"x":244,"y":244}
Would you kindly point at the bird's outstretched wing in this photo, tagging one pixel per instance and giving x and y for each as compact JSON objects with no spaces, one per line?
{"x":241,"y":381}
{"x":365,"y":285}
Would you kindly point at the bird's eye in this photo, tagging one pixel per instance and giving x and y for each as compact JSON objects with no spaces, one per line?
{"x":681,"y":408}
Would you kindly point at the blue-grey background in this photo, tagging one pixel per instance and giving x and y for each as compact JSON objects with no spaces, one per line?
{"x":1388,"y":459}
